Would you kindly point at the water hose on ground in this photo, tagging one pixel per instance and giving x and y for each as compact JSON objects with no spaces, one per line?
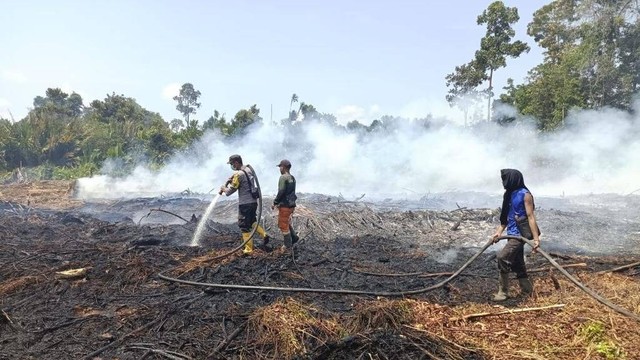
{"x":577,"y":283}
{"x":590,"y":292}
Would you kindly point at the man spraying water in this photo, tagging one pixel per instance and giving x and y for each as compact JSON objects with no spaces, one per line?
{"x":241,"y":181}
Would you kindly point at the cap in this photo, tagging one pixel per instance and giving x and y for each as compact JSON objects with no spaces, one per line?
{"x":285,"y":162}
{"x":234,"y":157}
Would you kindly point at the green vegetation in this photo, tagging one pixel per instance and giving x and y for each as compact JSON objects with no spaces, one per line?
{"x":594,"y":334}
{"x":591,"y":60}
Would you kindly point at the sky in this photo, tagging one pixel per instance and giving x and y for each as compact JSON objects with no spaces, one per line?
{"x":356,"y":60}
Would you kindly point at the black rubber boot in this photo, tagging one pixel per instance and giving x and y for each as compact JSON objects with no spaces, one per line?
{"x":288,"y":241}
{"x":503,"y":287}
{"x":294,"y":236}
{"x":526,"y":286}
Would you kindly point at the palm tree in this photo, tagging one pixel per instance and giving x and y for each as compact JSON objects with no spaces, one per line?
{"x":294,"y":99}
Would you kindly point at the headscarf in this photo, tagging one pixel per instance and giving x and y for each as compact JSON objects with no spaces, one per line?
{"x":512,"y":180}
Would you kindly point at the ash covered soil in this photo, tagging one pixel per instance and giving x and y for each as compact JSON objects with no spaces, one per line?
{"x":114,"y":306}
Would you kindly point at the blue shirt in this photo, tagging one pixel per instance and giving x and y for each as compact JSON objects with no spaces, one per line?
{"x":516,"y":208}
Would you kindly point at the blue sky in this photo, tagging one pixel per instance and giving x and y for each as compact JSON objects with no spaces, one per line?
{"x":357,"y":60}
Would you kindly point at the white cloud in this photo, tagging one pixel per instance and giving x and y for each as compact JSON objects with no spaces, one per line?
{"x":14,"y":76}
{"x":170,"y":90}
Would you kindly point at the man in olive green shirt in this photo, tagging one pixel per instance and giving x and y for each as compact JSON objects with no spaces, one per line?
{"x":285,"y":201}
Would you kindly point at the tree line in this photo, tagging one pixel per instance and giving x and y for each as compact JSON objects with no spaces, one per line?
{"x":591,"y":60}
{"x":63,"y":138}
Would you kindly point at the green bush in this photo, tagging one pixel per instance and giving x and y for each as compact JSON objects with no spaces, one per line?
{"x":594,"y":333}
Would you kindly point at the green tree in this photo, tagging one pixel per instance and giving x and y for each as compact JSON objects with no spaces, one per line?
{"x":497,"y":43}
{"x":294,"y":99}
{"x":243,"y":119}
{"x":217,"y":121}
{"x":630,"y":54}
{"x":552,"y":90}
{"x":176,"y":125}
{"x":187,"y":101}
{"x":592,"y":59}
{"x":601,"y":33}
{"x":495,"y":47}
{"x":307,"y":110}
{"x":60,"y":103}
{"x":50,"y":133}
{"x":119,"y":126}
{"x":553,"y":28}
{"x":463,"y":83}
{"x":188,"y":135}
{"x":356,"y":126}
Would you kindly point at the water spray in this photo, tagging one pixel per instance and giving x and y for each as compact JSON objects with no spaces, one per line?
{"x":205,"y":217}
{"x":201,"y":224}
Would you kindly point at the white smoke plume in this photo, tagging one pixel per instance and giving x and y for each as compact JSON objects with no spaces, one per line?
{"x":596,"y":152}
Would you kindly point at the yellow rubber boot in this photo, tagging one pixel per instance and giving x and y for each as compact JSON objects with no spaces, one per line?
{"x":248,"y":247}
{"x":260,"y":231}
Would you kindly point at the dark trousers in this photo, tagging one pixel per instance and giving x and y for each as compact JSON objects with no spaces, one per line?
{"x":247,"y":216}
{"x":511,"y":258}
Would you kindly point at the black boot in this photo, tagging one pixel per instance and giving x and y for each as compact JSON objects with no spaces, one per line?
{"x":526,"y":286}
{"x":288,"y":241}
{"x":294,"y":236}
{"x":503,"y":287}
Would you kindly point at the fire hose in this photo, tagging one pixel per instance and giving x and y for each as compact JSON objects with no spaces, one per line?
{"x":581,"y":286}
{"x":444,"y":282}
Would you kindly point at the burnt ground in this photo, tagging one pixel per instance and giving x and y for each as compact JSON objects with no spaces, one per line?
{"x":116,"y":307}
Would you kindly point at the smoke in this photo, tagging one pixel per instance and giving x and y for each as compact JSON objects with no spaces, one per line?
{"x":445,"y":256}
{"x":596,"y":152}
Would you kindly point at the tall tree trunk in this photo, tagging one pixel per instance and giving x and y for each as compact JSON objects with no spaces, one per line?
{"x":490,"y":95}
